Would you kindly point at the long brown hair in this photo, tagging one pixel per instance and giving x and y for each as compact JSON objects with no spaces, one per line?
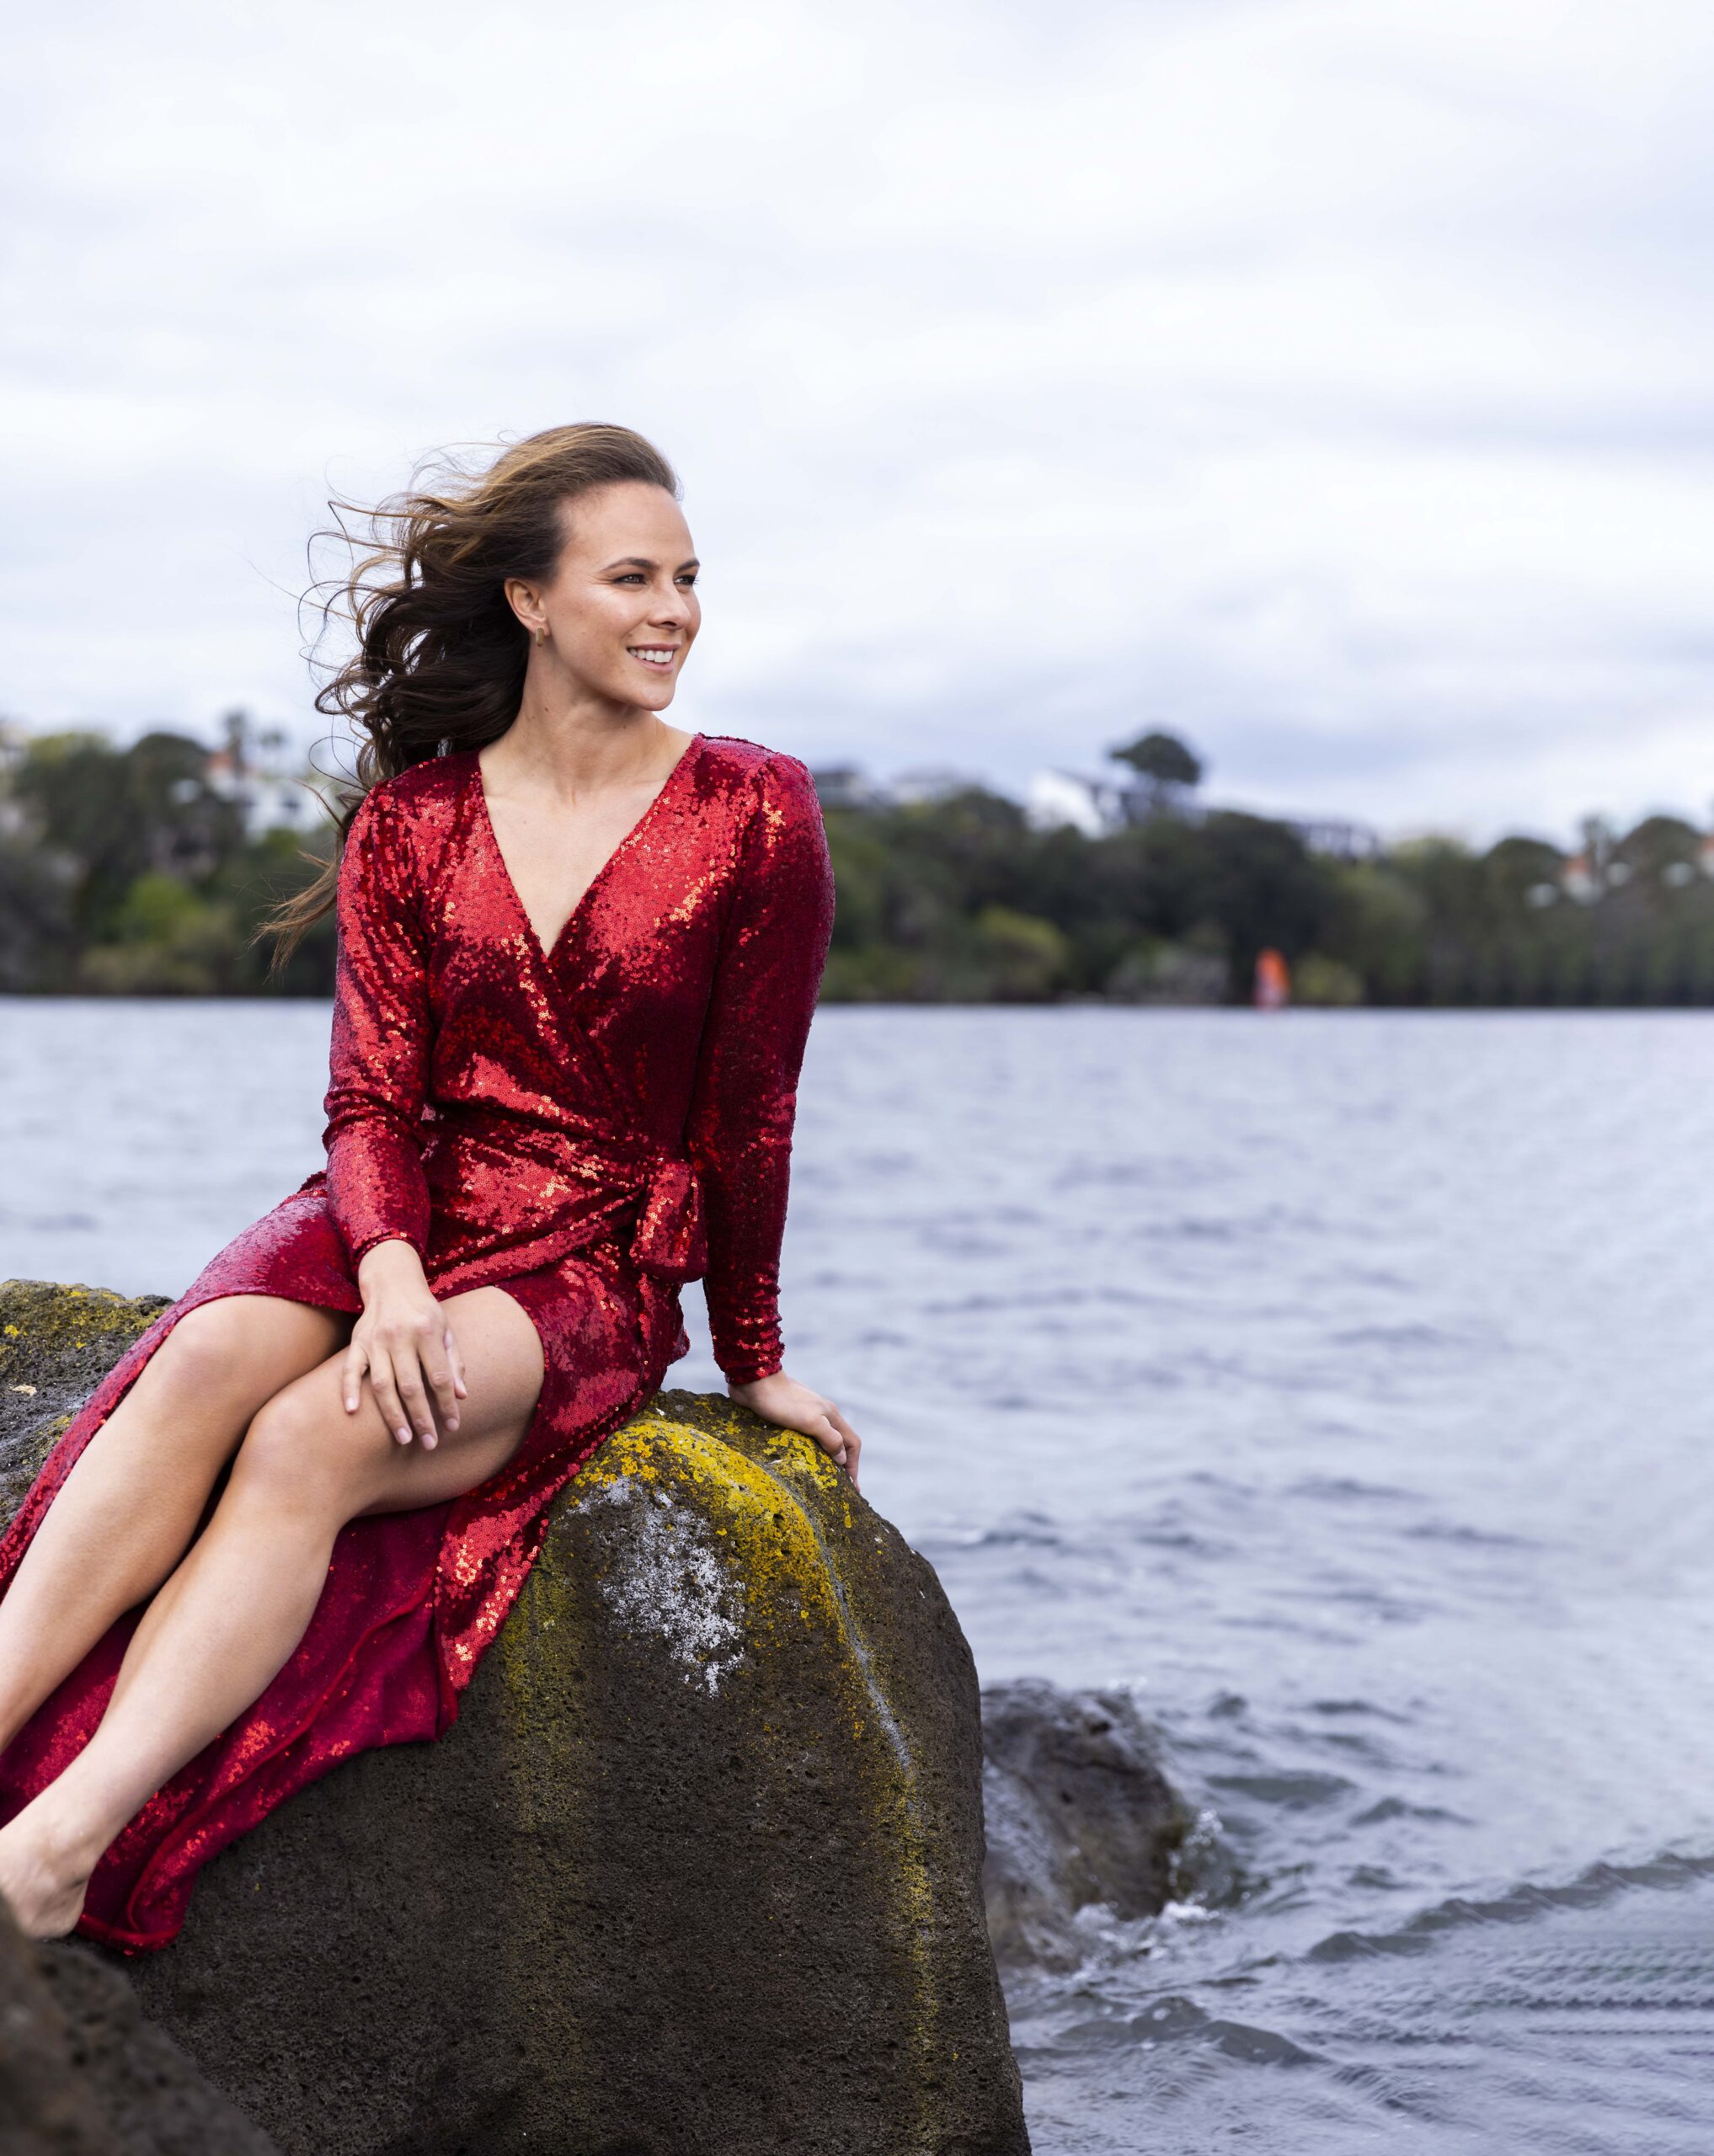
{"x":439,"y":657}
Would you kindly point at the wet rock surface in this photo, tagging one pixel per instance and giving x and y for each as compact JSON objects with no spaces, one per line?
{"x":1079,"y":1815}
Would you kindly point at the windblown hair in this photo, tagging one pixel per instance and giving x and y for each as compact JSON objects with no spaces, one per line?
{"x":439,"y":657}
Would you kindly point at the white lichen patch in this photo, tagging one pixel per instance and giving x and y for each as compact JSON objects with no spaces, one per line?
{"x":667,"y":1580}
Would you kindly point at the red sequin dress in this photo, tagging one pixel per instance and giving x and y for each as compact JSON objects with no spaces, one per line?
{"x":586,"y":1128}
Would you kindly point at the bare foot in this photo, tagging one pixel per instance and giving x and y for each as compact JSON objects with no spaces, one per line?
{"x":44,"y":1886}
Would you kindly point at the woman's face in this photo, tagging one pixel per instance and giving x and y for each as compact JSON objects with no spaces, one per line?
{"x":621,"y":609}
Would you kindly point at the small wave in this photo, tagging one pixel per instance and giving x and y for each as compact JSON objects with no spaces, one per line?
{"x":1359,"y":1707}
{"x":1413,"y":1339}
{"x":1340,"y":1486}
{"x":1395,"y":1807}
{"x":1455,"y":1531}
{"x":1520,"y":1904}
{"x":1176,"y":2019}
{"x":1301,"y":1791}
{"x":1026,"y":1533}
{"x":1168,"y":1172}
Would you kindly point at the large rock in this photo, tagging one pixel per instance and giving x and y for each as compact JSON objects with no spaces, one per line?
{"x":81,"y":2074}
{"x":1080,"y":1816}
{"x":698,"y":1869}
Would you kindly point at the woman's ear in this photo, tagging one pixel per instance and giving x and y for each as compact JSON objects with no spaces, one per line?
{"x":524,"y":600}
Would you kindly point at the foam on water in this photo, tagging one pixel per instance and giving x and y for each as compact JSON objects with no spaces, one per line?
{"x":1343,"y":1385}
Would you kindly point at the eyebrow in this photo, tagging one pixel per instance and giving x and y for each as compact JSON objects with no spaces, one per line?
{"x":643,"y":562}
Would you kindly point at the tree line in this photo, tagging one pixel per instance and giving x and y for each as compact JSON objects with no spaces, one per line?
{"x":127,"y":871}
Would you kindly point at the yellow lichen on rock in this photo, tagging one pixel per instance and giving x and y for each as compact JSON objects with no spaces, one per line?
{"x":737,"y":1566}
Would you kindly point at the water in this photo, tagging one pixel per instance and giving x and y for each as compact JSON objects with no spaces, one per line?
{"x":1344,"y":1384}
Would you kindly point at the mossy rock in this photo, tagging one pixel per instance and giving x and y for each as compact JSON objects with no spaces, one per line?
{"x":56,"y":1344}
{"x":697,"y":1873}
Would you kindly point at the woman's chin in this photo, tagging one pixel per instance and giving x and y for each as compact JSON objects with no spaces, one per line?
{"x":654,"y":696}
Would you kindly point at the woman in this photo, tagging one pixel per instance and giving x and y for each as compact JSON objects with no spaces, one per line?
{"x":579,"y":951}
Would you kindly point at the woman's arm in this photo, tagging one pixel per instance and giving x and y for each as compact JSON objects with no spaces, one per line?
{"x":773,"y":948}
{"x":380,"y":1057}
{"x":376,"y":1191}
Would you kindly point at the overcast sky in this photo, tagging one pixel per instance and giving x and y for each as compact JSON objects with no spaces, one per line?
{"x":1329,"y":381}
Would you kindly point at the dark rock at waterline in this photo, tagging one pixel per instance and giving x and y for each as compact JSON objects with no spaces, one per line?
{"x":82,"y":2074}
{"x":698,"y":1869}
{"x":1079,"y":1813}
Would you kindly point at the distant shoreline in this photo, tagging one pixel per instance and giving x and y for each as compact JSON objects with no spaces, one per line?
{"x":152,"y":871}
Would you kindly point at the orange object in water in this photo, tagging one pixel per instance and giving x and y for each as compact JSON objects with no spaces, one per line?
{"x":1273,"y":981}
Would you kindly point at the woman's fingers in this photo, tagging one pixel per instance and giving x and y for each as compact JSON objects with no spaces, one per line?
{"x":837,"y":1439}
{"x":845,"y":1445}
{"x":386,"y":1391}
{"x":437,"y":1368}
{"x":793,"y":1406}
{"x":853,"y":1443}
{"x":415,"y":1372}
{"x":351,"y":1377}
{"x":407,"y":1376}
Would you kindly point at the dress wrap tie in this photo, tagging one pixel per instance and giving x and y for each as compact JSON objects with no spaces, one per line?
{"x":588,"y":1184}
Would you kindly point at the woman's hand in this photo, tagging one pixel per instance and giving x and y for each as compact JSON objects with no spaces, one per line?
{"x":781,"y":1399}
{"x":404,"y":1344}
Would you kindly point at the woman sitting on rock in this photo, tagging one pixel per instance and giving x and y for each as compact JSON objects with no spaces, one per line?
{"x":579,"y":951}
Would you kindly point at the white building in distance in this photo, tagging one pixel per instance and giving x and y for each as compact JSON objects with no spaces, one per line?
{"x":269,"y":798}
{"x":1055,"y":799}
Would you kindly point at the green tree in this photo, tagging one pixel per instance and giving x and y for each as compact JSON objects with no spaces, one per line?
{"x":37,"y":939}
{"x":1162,"y":759}
{"x":1264,"y":888}
{"x":115,"y":814}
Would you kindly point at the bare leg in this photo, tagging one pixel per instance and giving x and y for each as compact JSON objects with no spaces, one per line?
{"x":229,"y":1618}
{"x":130,"y":1505}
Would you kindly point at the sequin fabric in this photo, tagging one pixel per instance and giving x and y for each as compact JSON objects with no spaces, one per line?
{"x":587,"y":1127}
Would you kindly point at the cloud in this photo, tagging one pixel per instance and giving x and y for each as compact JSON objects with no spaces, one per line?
{"x":1330,"y":380}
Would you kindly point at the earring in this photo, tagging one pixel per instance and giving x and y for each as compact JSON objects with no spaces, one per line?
{"x":542,"y":634}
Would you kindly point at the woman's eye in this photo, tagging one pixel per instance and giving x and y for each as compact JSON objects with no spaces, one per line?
{"x":688,"y":582}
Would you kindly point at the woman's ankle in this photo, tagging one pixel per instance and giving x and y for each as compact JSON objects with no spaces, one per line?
{"x":43,"y":1880}
{"x":64,"y":1841}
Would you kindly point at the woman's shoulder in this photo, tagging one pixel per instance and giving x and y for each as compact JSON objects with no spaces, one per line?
{"x":775,"y":818}
{"x":421,"y":787}
{"x":403,"y":824}
{"x":761,"y":773}
{"x":421,"y":796}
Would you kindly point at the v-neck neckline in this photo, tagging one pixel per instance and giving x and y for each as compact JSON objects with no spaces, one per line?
{"x":549,"y":952}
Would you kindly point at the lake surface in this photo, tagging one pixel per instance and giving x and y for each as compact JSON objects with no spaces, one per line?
{"x":1343,"y":1384}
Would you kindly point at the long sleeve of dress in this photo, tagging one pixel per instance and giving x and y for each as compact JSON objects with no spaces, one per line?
{"x":773,"y":948}
{"x":376,"y":1190}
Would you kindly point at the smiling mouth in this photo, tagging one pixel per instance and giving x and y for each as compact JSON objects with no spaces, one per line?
{"x":660,"y":656}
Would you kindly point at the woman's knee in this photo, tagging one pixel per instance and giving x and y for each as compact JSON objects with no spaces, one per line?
{"x":204,"y":1351}
{"x":301,"y":1451}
